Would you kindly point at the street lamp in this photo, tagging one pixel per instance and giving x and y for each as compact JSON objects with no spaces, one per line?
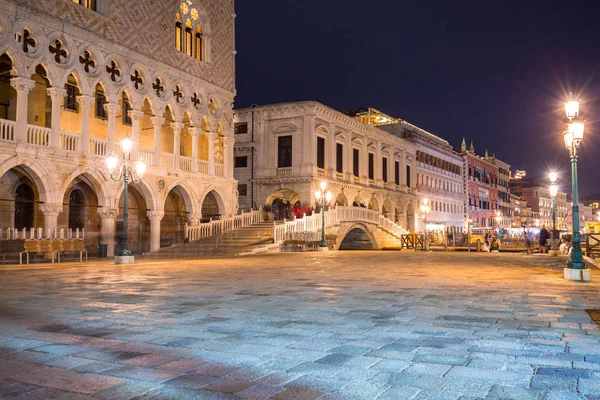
{"x":573,"y":135}
{"x":498,"y":219}
{"x":425,"y":210}
{"x":324,"y":198}
{"x":125,"y":172}
{"x":553,"y":193}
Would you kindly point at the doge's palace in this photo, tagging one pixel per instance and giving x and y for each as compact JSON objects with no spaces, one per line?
{"x":79,"y":76}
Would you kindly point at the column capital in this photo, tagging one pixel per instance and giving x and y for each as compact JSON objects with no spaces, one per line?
{"x":22,"y":84}
{"x":56,"y":93}
{"x":155,"y":215}
{"x":108,"y":212}
{"x":228,"y":140}
{"x":85,"y":101}
{"x":195,"y":131}
{"x":211,"y":135}
{"x":177,"y":126}
{"x":135,"y":115}
{"x":112,"y":109}
{"x":157,"y":121}
{"x":194,"y":218}
{"x":51,"y":209}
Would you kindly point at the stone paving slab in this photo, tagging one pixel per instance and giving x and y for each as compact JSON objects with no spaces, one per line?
{"x":364,"y":325}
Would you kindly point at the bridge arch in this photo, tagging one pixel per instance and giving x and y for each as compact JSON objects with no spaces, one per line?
{"x":358,"y":236}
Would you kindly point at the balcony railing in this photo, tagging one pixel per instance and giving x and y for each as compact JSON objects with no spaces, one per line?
{"x":7,"y":130}
{"x":146,"y":155}
{"x":98,"y":147}
{"x":41,"y":136}
{"x":219,"y":170}
{"x":38,"y":135}
{"x":284,"y":171}
{"x":203,"y":167}
{"x":69,"y":141}
{"x":167,"y":160}
{"x":185,"y":163}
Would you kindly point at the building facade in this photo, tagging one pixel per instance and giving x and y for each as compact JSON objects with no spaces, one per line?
{"x":439,"y":176}
{"x":486,"y":184}
{"x":284,"y":151}
{"x":75,"y":80}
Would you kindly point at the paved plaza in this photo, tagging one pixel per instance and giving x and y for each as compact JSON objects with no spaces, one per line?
{"x":339,"y":325}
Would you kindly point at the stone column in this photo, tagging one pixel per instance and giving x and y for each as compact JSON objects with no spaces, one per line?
{"x":111,"y":110}
{"x":364,"y":162}
{"x":157,"y":122}
{"x":378,"y":164}
{"x":136,"y":117}
{"x":195,"y":132}
{"x":108,"y":217}
{"x":51,"y":212}
{"x":331,"y":152}
{"x":23,"y":86}
{"x":177,"y":127}
{"x":56,"y":94}
{"x":85,"y":102}
{"x":211,"y":152}
{"x":228,"y":156}
{"x":155,"y":217}
{"x":348,"y":161}
{"x":403,"y":168}
{"x":309,"y":148}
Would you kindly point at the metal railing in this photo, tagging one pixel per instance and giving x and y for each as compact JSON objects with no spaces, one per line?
{"x":334,"y":217}
{"x":211,"y":228}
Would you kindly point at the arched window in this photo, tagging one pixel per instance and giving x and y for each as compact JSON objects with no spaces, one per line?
{"x":179,"y":33}
{"x":72,"y":93}
{"x":24,"y":207}
{"x":126,"y":107}
{"x":188,"y":37}
{"x":76,"y":209}
{"x":100,"y":102}
{"x":198,"y":43}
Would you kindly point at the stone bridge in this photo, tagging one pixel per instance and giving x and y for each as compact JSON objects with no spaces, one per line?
{"x":354,"y":228}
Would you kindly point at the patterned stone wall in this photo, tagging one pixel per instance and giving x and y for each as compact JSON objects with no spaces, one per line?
{"x":148,"y":27}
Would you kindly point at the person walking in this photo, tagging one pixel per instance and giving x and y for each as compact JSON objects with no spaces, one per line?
{"x":544,"y":236}
{"x":529,"y":237}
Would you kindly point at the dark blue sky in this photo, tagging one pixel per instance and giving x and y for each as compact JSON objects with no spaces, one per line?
{"x":493,"y":72}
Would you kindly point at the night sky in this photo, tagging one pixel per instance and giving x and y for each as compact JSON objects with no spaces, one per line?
{"x":493,"y":72}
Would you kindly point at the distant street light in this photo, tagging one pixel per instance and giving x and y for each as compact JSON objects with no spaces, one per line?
{"x":425,"y":210}
{"x":553,"y":192}
{"x":324,"y":198}
{"x":125,"y":172}
{"x":573,"y":135}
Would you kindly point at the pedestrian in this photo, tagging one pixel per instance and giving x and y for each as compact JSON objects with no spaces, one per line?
{"x":529,"y":237}
{"x":487,"y":237}
{"x":495,"y":247}
{"x":544,"y":236}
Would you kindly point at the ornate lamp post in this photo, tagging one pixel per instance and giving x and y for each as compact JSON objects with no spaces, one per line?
{"x":576,"y":266}
{"x":425,"y":210}
{"x":324,"y":198}
{"x":126,"y":173}
{"x":553,"y":193}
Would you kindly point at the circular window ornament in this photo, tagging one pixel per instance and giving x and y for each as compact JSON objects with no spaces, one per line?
{"x":194,"y":14}
{"x":184,"y":8}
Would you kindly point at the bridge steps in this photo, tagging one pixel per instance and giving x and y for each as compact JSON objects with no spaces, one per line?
{"x":222,"y":245}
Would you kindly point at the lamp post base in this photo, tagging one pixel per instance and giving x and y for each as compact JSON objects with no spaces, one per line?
{"x":552,"y":253}
{"x":573,"y":274}
{"x":124,"y":260}
{"x":325,"y":248}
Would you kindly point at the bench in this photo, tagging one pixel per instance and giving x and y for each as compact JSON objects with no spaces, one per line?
{"x":70,"y":246}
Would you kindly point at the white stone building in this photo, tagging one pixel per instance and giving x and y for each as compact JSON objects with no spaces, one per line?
{"x":76,"y":77}
{"x":283,"y":151}
{"x":439,"y":176}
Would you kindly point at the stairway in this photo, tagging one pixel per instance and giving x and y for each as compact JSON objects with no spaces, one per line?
{"x":223,"y":245}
